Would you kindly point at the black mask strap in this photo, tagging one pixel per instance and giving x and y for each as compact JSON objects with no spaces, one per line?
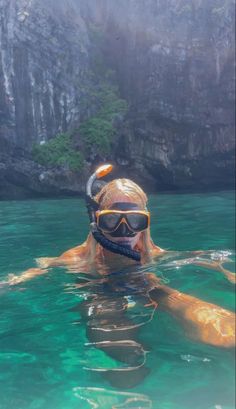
{"x":92,"y":207}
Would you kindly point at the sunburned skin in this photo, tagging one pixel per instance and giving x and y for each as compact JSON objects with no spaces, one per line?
{"x":203,"y":321}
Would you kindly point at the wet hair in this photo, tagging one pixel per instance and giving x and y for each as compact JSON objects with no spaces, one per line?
{"x":118,"y":190}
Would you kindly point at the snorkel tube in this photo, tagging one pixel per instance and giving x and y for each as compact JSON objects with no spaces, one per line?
{"x":92,"y":206}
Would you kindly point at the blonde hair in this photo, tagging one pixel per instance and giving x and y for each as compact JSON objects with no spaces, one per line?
{"x":119,"y":190}
{"x":114,"y":191}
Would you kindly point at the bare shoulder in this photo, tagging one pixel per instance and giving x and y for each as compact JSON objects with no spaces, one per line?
{"x":73,"y":253}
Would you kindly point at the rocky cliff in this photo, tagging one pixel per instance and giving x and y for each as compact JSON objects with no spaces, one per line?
{"x":174,"y":64}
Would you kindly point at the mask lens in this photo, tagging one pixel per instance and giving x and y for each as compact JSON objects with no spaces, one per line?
{"x":137,"y":222}
{"x":109,"y":221}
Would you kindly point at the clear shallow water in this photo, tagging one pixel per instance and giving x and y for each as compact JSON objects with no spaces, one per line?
{"x":44,"y":336}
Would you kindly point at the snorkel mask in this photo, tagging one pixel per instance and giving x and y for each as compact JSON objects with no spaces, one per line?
{"x":99,"y":221}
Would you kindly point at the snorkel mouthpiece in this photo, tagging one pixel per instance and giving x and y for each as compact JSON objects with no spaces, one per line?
{"x":92,"y":206}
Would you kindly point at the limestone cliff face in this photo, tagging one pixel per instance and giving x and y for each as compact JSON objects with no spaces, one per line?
{"x":43,"y":81}
{"x":43,"y":68}
{"x":175,"y":65}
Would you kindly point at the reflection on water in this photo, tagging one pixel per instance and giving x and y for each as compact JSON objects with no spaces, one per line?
{"x":104,"y":399}
{"x":113,"y":310}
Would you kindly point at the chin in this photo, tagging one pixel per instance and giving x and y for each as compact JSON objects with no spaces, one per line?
{"x":124,"y":241}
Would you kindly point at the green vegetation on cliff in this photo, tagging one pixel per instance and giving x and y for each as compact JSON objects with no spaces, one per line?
{"x":98,"y":131}
{"x":94,"y":135}
{"x":59,"y":151}
{"x":103,"y":111}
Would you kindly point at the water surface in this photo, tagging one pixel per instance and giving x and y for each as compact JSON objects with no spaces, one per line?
{"x":46,"y":357}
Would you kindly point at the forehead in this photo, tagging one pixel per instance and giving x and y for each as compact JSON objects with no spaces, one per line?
{"x":125,"y":205}
{"x":113,"y":194}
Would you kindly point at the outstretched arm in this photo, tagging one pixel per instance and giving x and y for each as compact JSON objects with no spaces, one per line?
{"x":203,"y":321}
{"x":70,"y":259}
{"x":217,"y":266}
{"x":13,"y":279}
{"x":197,"y":258}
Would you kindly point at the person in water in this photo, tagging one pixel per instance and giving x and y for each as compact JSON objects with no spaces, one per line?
{"x":119,"y":238}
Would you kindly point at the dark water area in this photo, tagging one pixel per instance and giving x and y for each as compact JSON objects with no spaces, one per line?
{"x":49,"y":351}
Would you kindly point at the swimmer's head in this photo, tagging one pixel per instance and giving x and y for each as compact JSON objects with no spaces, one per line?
{"x":126,"y":196}
{"x":127,"y":231}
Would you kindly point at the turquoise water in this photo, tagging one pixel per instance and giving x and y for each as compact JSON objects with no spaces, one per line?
{"x":46,"y":357}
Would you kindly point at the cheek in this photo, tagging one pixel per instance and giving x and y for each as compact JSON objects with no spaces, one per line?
{"x":136,"y":238}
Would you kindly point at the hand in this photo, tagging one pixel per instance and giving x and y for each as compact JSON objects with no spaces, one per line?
{"x":230,"y":276}
{"x":13,"y":279}
{"x":27,"y":275}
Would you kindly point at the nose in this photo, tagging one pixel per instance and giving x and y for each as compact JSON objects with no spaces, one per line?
{"x":123,"y":229}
